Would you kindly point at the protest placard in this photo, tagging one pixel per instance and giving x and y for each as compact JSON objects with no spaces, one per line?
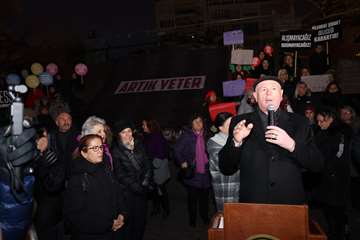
{"x":317,"y":83}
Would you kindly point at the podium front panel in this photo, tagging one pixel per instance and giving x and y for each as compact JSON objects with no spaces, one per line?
{"x":243,"y":221}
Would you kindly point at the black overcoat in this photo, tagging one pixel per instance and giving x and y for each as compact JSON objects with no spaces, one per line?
{"x":269,"y":173}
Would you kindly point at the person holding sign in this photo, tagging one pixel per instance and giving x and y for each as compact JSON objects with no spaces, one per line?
{"x":270,"y":156}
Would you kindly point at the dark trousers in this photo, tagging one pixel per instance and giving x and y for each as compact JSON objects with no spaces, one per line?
{"x":198,"y":197}
{"x":336,"y":219}
{"x":355,"y":192}
{"x":136,"y":220}
{"x":161,"y":200}
{"x":55,"y":232}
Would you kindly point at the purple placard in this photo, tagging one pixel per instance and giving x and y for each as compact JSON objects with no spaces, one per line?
{"x":233,"y":37}
{"x":233,"y":88}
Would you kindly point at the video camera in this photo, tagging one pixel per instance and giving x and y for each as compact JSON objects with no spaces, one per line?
{"x":17,"y":109}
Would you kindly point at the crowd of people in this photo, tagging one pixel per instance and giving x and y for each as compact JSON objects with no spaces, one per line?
{"x":95,"y":182}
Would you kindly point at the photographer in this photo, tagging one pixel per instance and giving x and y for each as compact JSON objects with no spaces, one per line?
{"x":17,"y":152}
{"x":16,"y":182}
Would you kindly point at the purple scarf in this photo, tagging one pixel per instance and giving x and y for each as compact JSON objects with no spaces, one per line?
{"x":201,"y":158}
{"x":107,"y":152}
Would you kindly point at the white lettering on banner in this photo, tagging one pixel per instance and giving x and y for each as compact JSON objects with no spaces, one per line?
{"x":161,"y":84}
{"x":326,"y":37}
{"x":304,"y":37}
{"x":296,"y":45}
{"x":5,"y":99}
{"x":334,"y":23}
{"x":326,"y":25}
{"x":326,"y":31}
{"x":321,"y":26}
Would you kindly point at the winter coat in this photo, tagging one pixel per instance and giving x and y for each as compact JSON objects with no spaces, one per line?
{"x":64,"y":152}
{"x":48,"y":190}
{"x":185,"y":152}
{"x":132,"y":168}
{"x":333,"y":188}
{"x":269,"y":173}
{"x":155,"y":145}
{"x":92,"y":201}
{"x":226,"y":188}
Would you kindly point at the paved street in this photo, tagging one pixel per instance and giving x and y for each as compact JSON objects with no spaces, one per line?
{"x":176,"y":227}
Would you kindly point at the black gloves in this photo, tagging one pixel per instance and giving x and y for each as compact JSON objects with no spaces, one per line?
{"x":17,"y":150}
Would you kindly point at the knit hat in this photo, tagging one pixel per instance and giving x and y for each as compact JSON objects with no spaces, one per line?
{"x":121,"y":125}
{"x":266,"y":78}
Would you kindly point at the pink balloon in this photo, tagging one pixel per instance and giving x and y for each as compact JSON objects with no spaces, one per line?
{"x":81,"y":69}
{"x":52,"y":69}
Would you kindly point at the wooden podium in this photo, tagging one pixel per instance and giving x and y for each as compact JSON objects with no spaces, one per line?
{"x":243,"y":221}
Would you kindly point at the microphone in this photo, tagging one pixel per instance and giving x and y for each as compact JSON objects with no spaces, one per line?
{"x":271,"y":115}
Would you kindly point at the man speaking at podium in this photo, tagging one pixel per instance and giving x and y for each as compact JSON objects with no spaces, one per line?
{"x":270,"y":147}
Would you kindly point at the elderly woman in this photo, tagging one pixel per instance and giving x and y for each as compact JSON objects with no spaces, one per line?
{"x":191,"y":155}
{"x":93,"y":204}
{"x":96,"y":125}
{"x":133,"y":170}
{"x":288,"y":85}
{"x":302,"y":98}
{"x":226,"y":188}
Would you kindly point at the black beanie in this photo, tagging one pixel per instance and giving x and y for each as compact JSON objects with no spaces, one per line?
{"x":121,"y":125}
{"x":266,"y":78}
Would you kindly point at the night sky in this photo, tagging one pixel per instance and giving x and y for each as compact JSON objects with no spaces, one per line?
{"x":56,"y":20}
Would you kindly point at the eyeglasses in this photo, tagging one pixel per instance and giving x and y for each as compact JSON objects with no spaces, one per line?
{"x":96,"y":148}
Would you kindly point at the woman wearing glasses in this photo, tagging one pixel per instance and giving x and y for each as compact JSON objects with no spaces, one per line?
{"x":93,"y":204}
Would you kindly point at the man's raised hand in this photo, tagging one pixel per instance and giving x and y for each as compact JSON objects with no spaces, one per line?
{"x":241,"y":131}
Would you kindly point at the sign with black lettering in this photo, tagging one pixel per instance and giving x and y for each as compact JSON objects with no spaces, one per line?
{"x":161,"y":84}
{"x":5,"y":99}
{"x":295,"y":40}
{"x":327,"y":31}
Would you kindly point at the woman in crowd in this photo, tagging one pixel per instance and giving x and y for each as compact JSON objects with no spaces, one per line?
{"x":265,"y":68}
{"x":333,"y":140}
{"x":96,"y":125}
{"x":305,"y":71}
{"x":93,"y":203}
{"x":333,"y":96}
{"x":133,"y":170}
{"x":288,"y":86}
{"x":348,"y":116}
{"x":191,"y":155}
{"x":157,"y":150}
{"x":310,"y":114}
{"x":302,"y":97}
{"x":289,"y":66}
{"x":226,"y":188}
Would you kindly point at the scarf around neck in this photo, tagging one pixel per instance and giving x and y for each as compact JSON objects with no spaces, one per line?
{"x":201,"y":158}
